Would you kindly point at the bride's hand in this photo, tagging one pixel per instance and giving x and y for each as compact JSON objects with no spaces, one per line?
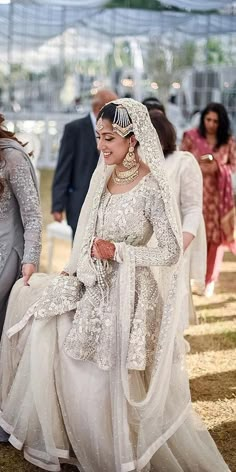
{"x":102,"y":249}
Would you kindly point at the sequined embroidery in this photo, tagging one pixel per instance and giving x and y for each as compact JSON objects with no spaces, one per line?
{"x":131,"y":218}
{"x":3,"y":247}
{"x":20,"y":204}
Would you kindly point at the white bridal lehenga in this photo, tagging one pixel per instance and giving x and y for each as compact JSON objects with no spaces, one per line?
{"x":92,"y":366}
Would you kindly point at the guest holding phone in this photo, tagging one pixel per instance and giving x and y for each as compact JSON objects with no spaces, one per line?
{"x":215,"y":150}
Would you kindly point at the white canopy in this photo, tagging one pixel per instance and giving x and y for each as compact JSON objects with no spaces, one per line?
{"x":35,"y":22}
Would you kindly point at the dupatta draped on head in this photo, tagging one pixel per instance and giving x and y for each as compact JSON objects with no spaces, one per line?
{"x":150,"y":152}
{"x":147,"y":406}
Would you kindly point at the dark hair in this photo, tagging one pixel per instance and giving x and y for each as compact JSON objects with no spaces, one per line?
{"x":108,"y":113}
{"x":152,"y":103}
{"x":223,"y":131}
{"x":165,"y":131}
{"x":4,"y":133}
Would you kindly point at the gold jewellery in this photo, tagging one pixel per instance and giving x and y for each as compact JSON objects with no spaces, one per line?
{"x":127,"y":176}
{"x":129,"y":160}
{"x":121,"y":124}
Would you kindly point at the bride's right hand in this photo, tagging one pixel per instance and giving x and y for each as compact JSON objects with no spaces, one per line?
{"x":102,"y":249}
{"x":64,"y":273}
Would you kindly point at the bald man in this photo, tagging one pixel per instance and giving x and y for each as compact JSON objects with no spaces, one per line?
{"x":78,"y":157}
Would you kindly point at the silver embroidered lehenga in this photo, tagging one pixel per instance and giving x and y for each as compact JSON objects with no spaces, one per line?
{"x":95,"y":362}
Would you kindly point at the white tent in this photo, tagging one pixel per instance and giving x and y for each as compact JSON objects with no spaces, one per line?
{"x":49,"y":49}
{"x":36,"y":21}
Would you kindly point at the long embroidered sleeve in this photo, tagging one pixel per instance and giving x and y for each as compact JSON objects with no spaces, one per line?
{"x":132,"y":218}
{"x":167,"y":250}
{"x":24,"y":191}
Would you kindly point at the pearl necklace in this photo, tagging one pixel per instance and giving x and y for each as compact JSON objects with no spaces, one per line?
{"x":127,"y":176}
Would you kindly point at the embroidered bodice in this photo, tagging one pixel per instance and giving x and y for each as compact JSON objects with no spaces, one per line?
{"x":132,"y":217}
{"x":127,"y":218}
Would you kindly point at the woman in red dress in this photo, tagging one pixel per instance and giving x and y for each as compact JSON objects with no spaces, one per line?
{"x":215,"y":149}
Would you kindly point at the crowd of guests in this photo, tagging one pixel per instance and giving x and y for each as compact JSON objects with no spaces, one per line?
{"x":158,"y":200}
{"x":214,"y":147}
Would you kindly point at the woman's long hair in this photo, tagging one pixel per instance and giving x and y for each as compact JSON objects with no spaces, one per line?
{"x":165,"y":130}
{"x":223,"y":131}
{"x":5,"y":133}
{"x":152,"y":103}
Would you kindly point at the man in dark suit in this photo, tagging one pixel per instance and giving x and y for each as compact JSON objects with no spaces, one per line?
{"x":78,"y":157}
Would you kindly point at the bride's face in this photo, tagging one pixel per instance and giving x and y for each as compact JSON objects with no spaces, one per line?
{"x":111,"y":144}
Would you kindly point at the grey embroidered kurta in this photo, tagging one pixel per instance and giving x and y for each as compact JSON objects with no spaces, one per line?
{"x":20,"y":217}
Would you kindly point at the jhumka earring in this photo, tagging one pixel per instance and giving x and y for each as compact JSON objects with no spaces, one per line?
{"x":127,"y":176}
{"x":129,"y":160}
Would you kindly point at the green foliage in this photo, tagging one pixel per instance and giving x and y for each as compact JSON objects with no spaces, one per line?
{"x":154,"y":5}
{"x":184,"y":56}
{"x":18,"y":72}
{"x":164,"y":58}
{"x":214,"y":52}
{"x":141,"y":4}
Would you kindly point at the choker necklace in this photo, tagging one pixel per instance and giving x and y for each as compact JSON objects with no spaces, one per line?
{"x":127,"y":176}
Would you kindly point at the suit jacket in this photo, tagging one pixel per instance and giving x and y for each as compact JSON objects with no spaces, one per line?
{"x":78,"y":157}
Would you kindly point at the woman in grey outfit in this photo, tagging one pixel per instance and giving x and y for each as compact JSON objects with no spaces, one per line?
{"x":20,"y":217}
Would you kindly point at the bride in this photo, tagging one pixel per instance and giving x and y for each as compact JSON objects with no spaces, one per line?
{"x":92,"y":364}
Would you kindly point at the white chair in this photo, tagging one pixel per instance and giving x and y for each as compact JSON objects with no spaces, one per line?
{"x":54,"y":231}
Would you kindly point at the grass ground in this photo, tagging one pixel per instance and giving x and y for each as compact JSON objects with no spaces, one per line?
{"x":211,"y":361}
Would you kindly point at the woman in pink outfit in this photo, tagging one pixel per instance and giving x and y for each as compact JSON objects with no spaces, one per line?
{"x":215,"y":150}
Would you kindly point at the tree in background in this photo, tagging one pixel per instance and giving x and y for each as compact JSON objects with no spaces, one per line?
{"x":214,"y":52}
{"x":163,"y":59}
